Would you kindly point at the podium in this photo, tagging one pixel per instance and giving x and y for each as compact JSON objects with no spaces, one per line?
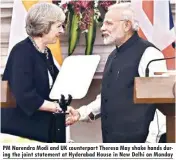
{"x":7,"y":99}
{"x":159,"y":91}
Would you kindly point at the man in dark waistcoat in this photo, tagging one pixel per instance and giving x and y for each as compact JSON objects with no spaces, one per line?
{"x":122,"y":121}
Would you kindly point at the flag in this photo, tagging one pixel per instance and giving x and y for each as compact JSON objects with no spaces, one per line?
{"x":156,"y":25}
{"x":18,"y":32}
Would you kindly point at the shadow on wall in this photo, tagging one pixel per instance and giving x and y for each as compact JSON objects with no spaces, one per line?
{"x":83,"y":132}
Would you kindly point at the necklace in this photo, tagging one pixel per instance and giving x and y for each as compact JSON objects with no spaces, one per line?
{"x":37,"y":48}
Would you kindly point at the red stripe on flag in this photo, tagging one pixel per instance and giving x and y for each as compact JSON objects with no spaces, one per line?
{"x":141,"y":34}
{"x":148,"y":6}
{"x":170,"y":52}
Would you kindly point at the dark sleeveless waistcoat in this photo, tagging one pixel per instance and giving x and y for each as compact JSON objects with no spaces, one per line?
{"x":122,"y":120}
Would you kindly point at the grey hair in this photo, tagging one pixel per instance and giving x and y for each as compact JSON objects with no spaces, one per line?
{"x":128,"y":14}
{"x":41,"y":16}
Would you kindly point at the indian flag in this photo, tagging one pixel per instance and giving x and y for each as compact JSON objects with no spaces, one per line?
{"x":18,"y":33}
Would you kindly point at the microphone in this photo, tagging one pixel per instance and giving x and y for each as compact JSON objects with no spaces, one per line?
{"x":159,"y":59}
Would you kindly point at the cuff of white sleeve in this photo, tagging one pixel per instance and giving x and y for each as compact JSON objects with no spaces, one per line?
{"x":152,"y":139}
{"x":84,"y":116}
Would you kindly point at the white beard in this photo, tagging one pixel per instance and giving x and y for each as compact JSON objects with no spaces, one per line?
{"x":113,"y":40}
{"x":108,"y":40}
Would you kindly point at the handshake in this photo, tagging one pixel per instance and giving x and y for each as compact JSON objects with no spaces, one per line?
{"x":86,"y":113}
{"x":73,"y":116}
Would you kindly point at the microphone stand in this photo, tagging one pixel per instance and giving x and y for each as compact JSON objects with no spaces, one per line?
{"x":59,"y":135}
{"x":160,"y":59}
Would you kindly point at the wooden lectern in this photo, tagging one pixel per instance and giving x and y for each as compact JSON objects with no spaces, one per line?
{"x":159,"y":91}
{"x":7,"y":99}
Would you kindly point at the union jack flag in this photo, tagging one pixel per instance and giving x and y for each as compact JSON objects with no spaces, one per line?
{"x":156,"y":25}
